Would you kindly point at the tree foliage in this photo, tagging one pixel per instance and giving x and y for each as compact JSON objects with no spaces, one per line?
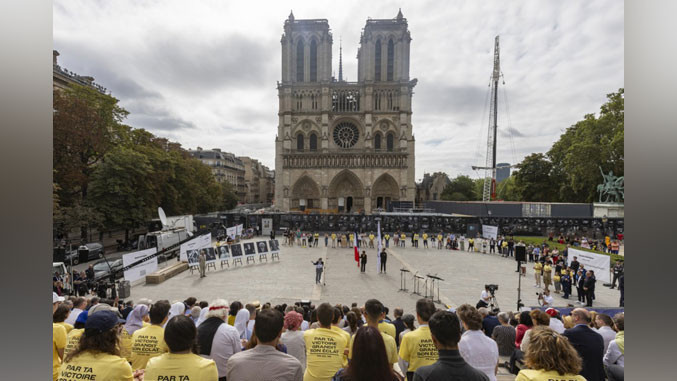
{"x":461,"y":188}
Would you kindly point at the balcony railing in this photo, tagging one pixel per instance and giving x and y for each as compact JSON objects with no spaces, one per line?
{"x":344,"y":160}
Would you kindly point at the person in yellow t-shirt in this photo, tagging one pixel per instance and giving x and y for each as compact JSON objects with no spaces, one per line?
{"x":333,"y":240}
{"x":538,"y":267}
{"x":72,"y":340}
{"x":416,"y":240}
{"x":324,"y":347}
{"x":58,"y":337}
{"x":550,"y":357}
{"x":425,"y":240}
{"x":387,"y":239}
{"x":149,"y":342}
{"x":181,"y":363}
{"x":440,"y":243}
{"x":385,"y":327}
{"x":547,"y":275}
{"x":417,"y":348}
{"x":403,"y":240}
{"x":374,"y":311}
{"x":334,"y":327}
{"x":60,"y":315}
{"x":371,"y":240}
{"x":97,"y":356}
{"x":135,"y":321}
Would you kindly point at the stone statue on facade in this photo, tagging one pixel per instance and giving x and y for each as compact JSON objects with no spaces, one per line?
{"x":612,"y":190}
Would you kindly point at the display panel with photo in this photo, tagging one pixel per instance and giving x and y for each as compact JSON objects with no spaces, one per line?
{"x":236,"y":250}
{"x":262,"y":247}
{"x":210,"y":254}
{"x":224,"y":252}
{"x":193,"y":256}
{"x":249,"y":248}
{"x":274,"y":245}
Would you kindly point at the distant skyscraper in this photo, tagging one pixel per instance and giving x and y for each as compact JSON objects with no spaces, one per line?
{"x":502,"y":171}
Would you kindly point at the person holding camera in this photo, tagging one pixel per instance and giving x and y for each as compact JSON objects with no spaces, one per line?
{"x":544,"y":299}
{"x":485,"y":298}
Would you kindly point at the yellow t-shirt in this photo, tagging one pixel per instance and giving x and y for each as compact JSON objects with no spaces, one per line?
{"x":387,"y":328}
{"x":403,"y":236}
{"x":147,"y":343}
{"x":66,"y":325}
{"x":387,"y":237}
{"x":537,"y":267}
{"x":324,"y":353}
{"x":72,"y":341}
{"x":231,"y":320}
{"x":371,"y":237}
{"x":417,"y":348}
{"x":58,"y":342}
{"x":505,"y":244}
{"x":316,"y":236}
{"x":333,"y":236}
{"x":439,"y":237}
{"x":174,"y":366}
{"x":351,"y":238}
{"x":425,"y":236}
{"x":391,"y":348}
{"x":416,"y":237}
{"x":96,"y":366}
{"x":542,"y":375}
{"x":346,"y":335}
{"x":125,"y":344}
{"x":547,"y":269}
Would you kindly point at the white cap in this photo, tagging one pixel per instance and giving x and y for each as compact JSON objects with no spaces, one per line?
{"x":56,"y":298}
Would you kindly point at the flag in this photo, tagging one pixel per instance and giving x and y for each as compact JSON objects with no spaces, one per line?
{"x":357,"y":252}
{"x":378,"y":253}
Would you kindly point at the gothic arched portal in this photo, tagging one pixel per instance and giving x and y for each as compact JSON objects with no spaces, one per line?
{"x":346,"y":192}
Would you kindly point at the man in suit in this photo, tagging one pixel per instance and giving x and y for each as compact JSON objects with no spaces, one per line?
{"x":363,"y":261}
{"x":588,"y":343}
{"x":589,"y":287}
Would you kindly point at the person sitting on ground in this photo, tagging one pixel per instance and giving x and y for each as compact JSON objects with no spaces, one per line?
{"x":539,"y":318}
{"x":293,"y":337}
{"x":614,"y":358}
{"x":416,"y":347}
{"x":504,"y":335}
{"x":374,"y":312}
{"x":588,"y":343}
{"x":353,"y":325}
{"x":478,"y":350}
{"x":182,"y":361}
{"x":265,"y":362}
{"x":79,"y":305}
{"x":149,"y":341}
{"x":369,"y":359}
{"x":605,"y":325}
{"x":550,"y":356}
{"x":322,"y":366}
{"x":135,"y":321}
{"x":445,"y":332}
{"x":97,"y":355}
{"x":555,"y":324}
{"x":217,"y":340}
{"x":489,"y":321}
{"x":60,"y":315}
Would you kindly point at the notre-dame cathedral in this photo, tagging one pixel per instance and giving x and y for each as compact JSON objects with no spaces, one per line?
{"x":344,"y":146}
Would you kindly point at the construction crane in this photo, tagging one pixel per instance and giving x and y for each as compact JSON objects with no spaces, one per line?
{"x":489,"y":190}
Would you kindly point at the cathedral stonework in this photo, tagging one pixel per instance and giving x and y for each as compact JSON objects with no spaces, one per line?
{"x":344,"y":146}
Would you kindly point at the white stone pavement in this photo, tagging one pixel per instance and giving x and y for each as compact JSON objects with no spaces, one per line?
{"x":293,"y":279}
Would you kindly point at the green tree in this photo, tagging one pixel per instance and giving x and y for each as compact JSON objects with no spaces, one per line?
{"x":507,"y":191}
{"x":461,"y":188}
{"x":229,"y":197}
{"x":532,"y":180}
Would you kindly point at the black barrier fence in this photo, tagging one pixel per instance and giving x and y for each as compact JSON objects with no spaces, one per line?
{"x":417,"y":222}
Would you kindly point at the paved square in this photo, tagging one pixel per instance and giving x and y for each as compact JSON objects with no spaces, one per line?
{"x":293,"y":279}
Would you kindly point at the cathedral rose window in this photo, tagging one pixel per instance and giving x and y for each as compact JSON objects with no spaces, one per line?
{"x":346,"y":135}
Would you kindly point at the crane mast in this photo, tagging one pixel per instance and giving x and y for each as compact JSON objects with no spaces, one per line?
{"x":489,"y":190}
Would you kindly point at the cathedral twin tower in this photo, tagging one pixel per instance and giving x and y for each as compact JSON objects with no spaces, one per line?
{"x":344,"y":146}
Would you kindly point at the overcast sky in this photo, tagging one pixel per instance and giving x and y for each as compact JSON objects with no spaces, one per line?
{"x":203,"y":73}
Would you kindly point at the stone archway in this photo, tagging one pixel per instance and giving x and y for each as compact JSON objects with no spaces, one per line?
{"x":346,"y":192}
{"x":305,"y":194}
{"x":384,"y":191}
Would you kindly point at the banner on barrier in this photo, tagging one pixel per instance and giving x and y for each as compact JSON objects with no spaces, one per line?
{"x":489,"y":231}
{"x":231,"y":232}
{"x":239,"y":229}
{"x":141,"y":270}
{"x":266,"y":226}
{"x":599,"y":263}
{"x":201,"y":242}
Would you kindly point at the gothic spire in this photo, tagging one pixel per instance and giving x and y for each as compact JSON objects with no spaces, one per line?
{"x":291,"y":15}
{"x":399,"y":15}
{"x":340,"y":60}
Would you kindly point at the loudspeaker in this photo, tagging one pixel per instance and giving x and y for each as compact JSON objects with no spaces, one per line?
{"x":521,"y":253}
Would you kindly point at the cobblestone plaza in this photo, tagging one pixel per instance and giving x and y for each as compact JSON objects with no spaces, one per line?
{"x":292,"y":279}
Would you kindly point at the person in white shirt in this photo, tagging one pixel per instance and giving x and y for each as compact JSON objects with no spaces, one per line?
{"x":293,"y":337}
{"x":555,"y":324}
{"x":605,"y":324}
{"x":478,"y":350}
{"x":485,"y":298}
{"x":216,"y":339}
{"x":614,"y":358}
{"x":252,"y":318}
{"x":544,"y":299}
{"x":78,"y":306}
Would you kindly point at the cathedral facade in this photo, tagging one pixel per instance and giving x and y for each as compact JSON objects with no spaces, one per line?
{"x":344,"y":146}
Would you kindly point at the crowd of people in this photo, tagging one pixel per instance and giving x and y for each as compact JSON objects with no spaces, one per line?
{"x":100,"y":339}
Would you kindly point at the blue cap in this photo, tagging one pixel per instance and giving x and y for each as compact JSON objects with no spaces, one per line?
{"x":102,"y":321}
